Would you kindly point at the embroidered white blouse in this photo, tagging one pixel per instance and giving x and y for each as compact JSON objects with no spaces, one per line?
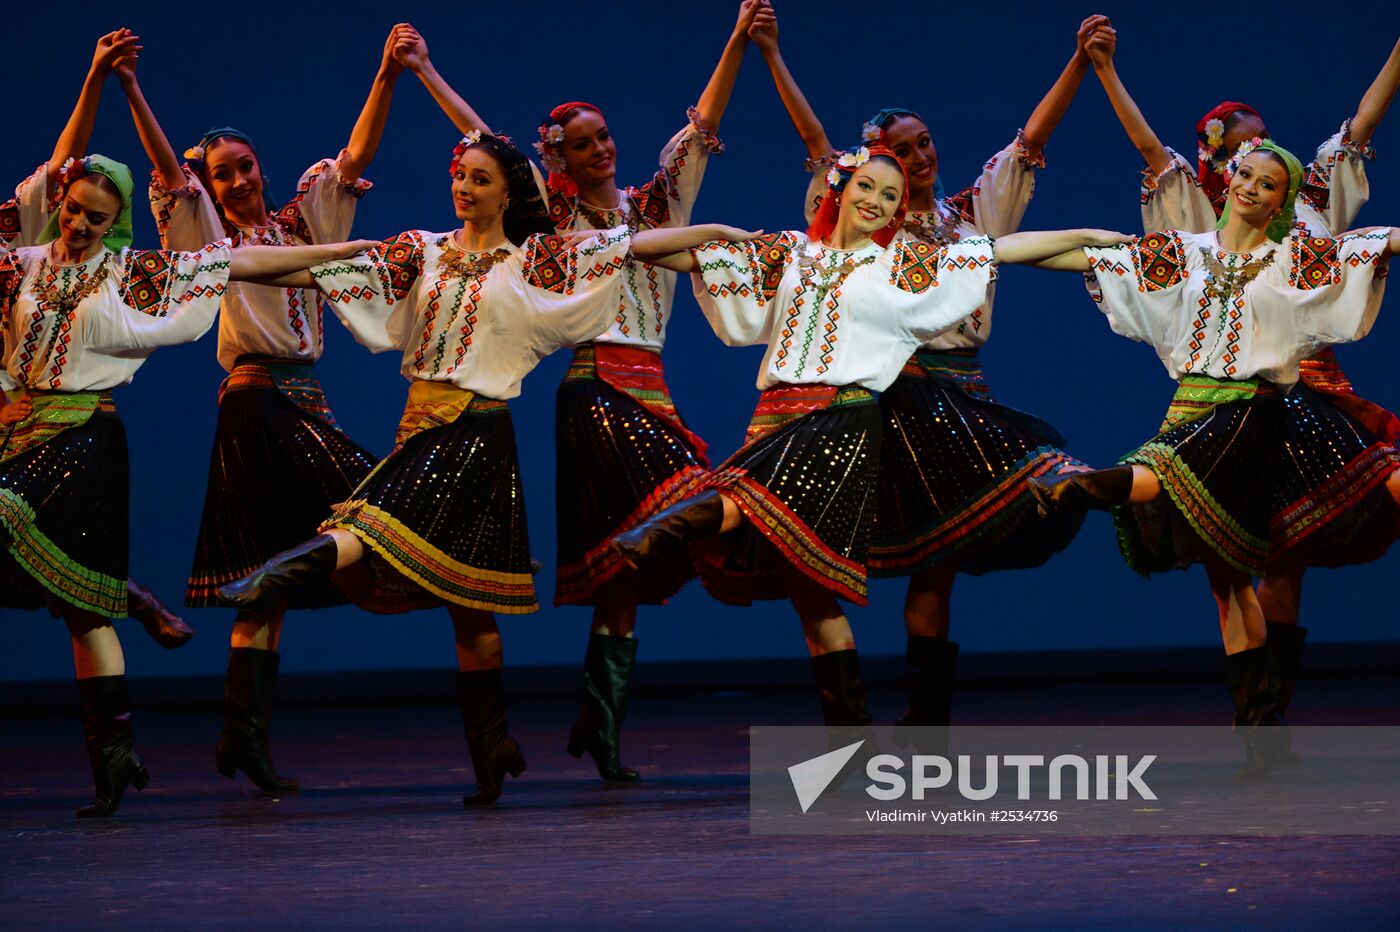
{"x":262,"y":319}
{"x":1239,"y":315}
{"x":481,"y":321}
{"x":835,"y":316}
{"x":89,"y":327}
{"x":647,"y":293}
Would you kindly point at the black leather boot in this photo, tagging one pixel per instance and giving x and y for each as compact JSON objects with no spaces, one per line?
{"x":248,"y":690}
{"x":842,"y":693}
{"x":929,"y":665}
{"x":607,"y":669}
{"x":305,"y":563}
{"x":1100,"y":489}
{"x":494,"y":752}
{"x":666,"y":533}
{"x":1285,"y":647}
{"x":1257,"y":712}
{"x":110,"y":743}
{"x":165,"y":627}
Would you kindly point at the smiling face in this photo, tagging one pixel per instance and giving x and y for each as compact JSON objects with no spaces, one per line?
{"x":908,"y":137}
{"x":479,"y":189}
{"x":872,"y":196}
{"x":86,"y":214}
{"x":588,"y":150}
{"x":236,"y":178}
{"x":1258,"y":188}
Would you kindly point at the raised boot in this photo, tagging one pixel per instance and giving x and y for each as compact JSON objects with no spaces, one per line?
{"x":1257,"y":712}
{"x":306,"y":563}
{"x":665,"y":534}
{"x":248,"y":693}
{"x":1100,"y":489}
{"x":607,"y":669}
{"x":929,"y":667}
{"x":165,"y":627}
{"x":1285,"y":647}
{"x":106,"y":708}
{"x":494,"y":752}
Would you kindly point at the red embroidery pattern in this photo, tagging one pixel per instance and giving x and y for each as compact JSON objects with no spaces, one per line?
{"x":1316,"y":262}
{"x":1160,"y":261}
{"x":915,"y":267}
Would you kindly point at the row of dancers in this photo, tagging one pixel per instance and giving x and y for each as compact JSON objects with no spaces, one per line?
{"x":875,"y":448}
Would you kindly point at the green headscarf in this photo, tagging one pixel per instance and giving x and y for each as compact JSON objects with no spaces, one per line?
{"x":1282,"y":224}
{"x":119,"y":234}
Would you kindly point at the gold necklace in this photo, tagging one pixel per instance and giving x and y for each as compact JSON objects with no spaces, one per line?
{"x":1223,"y":280}
{"x":457,"y":262}
{"x":51,"y":296}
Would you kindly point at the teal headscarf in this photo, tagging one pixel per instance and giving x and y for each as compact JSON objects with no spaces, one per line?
{"x":119,"y":234}
{"x":878,"y":121}
{"x":1282,"y":224}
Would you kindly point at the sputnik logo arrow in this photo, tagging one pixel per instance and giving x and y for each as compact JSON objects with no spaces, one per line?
{"x":811,"y":777}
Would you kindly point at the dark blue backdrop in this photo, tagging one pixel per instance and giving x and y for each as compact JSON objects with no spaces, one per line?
{"x":295,"y":77}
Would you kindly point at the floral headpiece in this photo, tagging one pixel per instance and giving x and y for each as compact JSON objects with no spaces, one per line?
{"x":1211,"y":160}
{"x":465,"y":143}
{"x":1282,"y":223}
{"x":551,"y":146}
{"x":846,"y":165}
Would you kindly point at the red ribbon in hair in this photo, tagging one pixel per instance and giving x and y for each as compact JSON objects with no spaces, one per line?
{"x":1212,"y":180}
{"x":824,"y":222}
{"x":559,"y":179}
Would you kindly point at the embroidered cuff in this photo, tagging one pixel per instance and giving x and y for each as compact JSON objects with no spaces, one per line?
{"x":1023,"y":153}
{"x":1366,"y":152}
{"x":709,"y":137}
{"x":354,"y":188}
{"x":821,"y":163}
{"x":190,"y":189}
{"x":1151,"y":181}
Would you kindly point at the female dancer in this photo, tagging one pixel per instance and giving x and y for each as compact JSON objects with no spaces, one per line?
{"x":1336,"y":481}
{"x":1231,"y":314}
{"x":472,"y":312}
{"x":623,"y":450}
{"x":22,"y":218}
{"x":841,"y":309}
{"x":279,"y":459}
{"x":78,"y":317}
{"x":952,"y":496}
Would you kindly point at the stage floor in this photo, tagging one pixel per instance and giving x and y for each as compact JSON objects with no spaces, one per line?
{"x":378,"y":836}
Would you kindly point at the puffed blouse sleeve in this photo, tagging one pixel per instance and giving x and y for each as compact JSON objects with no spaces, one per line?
{"x":573,"y":292}
{"x":23,"y":216}
{"x":1340,"y":283}
{"x":683,"y":161}
{"x":185,"y":216}
{"x":371,"y":293}
{"x":1141,"y":286}
{"x":1335,"y":182}
{"x":737,"y":283}
{"x":935,"y":287}
{"x":1174,"y":199}
{"x":168,"y":298}
{"x":1004,"y":189}
{"x":323,"y":208}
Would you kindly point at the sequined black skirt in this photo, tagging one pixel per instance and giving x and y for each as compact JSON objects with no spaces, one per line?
{"x":276,"y":470}
{"x":446,"y":511}
{"x":1214,"y":501}
{"x":617,"y":464}
{"x":63,"y":519}
{"x":1328,"y":501}
{"x":806,"y":484}
{"x":953,"y":473}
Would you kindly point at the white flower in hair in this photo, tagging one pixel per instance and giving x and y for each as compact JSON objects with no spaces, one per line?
{"x":194,"y":154}
{"x":555,"y":134}
{"x":66,"y":168}
{"x":1204,"y":154}
{"x":1215,"y":133}
{"x":870,"y":133}
{"x":850,"y":160}
{"x":472,"y":138}
{"x":833,"y":177}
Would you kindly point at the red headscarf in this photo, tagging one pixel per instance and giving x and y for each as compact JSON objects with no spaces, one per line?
{"x":1211,"y":179}
{"x":824,"y":222}
{"x":551,"y":152}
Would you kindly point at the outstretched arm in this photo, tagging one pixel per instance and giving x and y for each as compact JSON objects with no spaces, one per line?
{"x":411,"y":51}
{"x":764,"y":33}
{"x":153,"y":138}
{"x":715,"y":98}
{"x":669,"y":247}
{"x":73,"y":141}
{"x":1376,"y":101}
{"x":287,"y":265}
{"x":1051,"y":109}
{"x":1060,"y":250}
{"x":369,"y":128}
{"x":1100,"y":48}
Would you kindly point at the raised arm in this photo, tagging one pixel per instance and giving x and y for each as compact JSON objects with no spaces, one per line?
{"x":1060,"y":250}
{"x":1100,"y":48}
{"x":286,"y":265}
{"x":764,"y":33}
{"x":1376,"y":101}
{"x":1051,"y":109}
{"x":669,"y":247}
{"x":411,"y":51}
{"x":73,"y":141}
{"x":153,"y":138}
{"x":715,"y":97}
{"x":369,"y":128}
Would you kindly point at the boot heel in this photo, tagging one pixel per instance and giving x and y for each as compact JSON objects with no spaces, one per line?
{"x":141,"y":779}
{"x":517,"y":766}
{"x":577,"y":743}
{"x":226,"y":768}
